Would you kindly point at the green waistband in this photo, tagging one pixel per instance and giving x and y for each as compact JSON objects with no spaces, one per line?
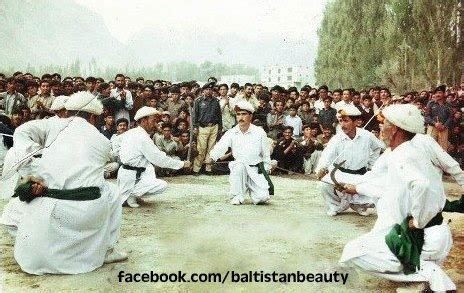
{"x":24,"y":192}
{"x":262,"y":170}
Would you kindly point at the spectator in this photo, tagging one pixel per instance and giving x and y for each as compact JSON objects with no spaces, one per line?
{"x":208,"y":124}
{"x":310,"y":147}
{"x":166,"y":143}
{"x":174,"y":104}
{"x":275,"y":121}
{"x":439,"y":117}
{"x":123,"y":96}
{"x":327,"y":115}
{"x":11,"y":99}
{"x":226,"y":103}
{"x":294,"y":121}
{"x":40,"y":104}
{"x":306,"y":113}
{"x":248,"y":96}
{"x":108,"y":129}
{"x":286,"y":152}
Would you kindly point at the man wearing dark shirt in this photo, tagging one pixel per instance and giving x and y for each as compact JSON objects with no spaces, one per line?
{"x":207,"y":122}
{"x":328,"y":115}
{"x":108,"y":129}
{"x":439,"y":118}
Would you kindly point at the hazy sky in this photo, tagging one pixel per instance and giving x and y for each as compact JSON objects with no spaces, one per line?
{"x":293,"y":19}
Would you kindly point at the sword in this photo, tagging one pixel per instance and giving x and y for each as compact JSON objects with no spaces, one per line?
{"x":337,"y":185}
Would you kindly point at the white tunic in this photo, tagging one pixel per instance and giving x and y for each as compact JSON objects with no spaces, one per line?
{"x":138,"y":150}
{"x":412,"y":187}
{"x":71,"y":236}
{"x":361,"y":151}
{"x":248,"y":149}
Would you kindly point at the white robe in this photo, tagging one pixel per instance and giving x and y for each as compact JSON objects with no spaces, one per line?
{"x":138,"y":150}
{"x":361,"y":151}
{"x":71,"y":236}
{"x":249,"y":148}
{"x":412,"y":188}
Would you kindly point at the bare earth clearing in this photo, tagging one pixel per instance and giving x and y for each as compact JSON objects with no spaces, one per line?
{"x":192,"y":228}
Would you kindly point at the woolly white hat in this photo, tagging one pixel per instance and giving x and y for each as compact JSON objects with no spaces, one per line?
{"x":244,"y":105}
{"x":85,"y":102}
{"x":144,"y":112}
{"x":58,"y":103}
{"x":405,"y":116}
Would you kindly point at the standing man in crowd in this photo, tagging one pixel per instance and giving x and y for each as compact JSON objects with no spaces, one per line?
{"x":275,"y":120}
{"x":248,"y":173}
{"x":358,"y":149}
{"x":248,"y":96}
{"x":174,"y":104}
{"x":438,"y":117}
{"x":327,"y":115}
{"x":207,"y":122}
{"x":42,"y":102}
{"x":226,"y":102}
{"x":123,"y":96}
{"x":11,"y":99}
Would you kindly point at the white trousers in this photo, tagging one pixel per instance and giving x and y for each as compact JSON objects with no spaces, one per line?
{"x":338,"y":202}
{"x":369,"y":252}
{"x":146,"y":187}
{"x":244,"y":180}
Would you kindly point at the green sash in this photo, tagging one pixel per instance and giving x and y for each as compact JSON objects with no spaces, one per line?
{"x":262,"y":170}
{"x":455,"y":206}
{"x":406,"y":244}
{"x":24,"y":192}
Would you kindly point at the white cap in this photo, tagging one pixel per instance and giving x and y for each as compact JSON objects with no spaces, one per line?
{"x":244,"y":105}
{"x":349,"y":110}
{"x":58,"y":103}
{"x":85,"y":102}
{"x":166,"y":113}
{"x":144,"y":112}
{"x":405,"y":116}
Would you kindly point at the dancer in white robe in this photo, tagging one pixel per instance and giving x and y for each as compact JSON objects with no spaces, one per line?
{"x":412,"y":188}
{"x":250,"y":149}
{"x":138,"y":153}
{"x":359,"y":149}
{"x":72,"y":236}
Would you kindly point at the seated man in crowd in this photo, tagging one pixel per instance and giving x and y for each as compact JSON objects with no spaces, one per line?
{"x":310,"y":147}
{"x":184,"y":146}
{"x":166,"y":143}
{"x":286,"y":152}
{"x":325,"y":136}
{"x":112,"y":167}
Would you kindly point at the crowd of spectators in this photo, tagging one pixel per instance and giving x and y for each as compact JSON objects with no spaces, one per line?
{"x":299,"y":121}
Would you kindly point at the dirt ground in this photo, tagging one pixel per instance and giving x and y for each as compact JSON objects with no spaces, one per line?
{"x":192,"y":228}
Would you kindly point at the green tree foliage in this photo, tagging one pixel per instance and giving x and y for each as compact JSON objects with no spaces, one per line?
{"x":403,"y":44}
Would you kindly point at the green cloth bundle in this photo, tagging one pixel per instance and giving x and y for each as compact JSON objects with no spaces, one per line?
{"x":262,"y":170}
{"x":406,"y":244}
{"x":24,"y":192}
{"x":455,"y":206}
